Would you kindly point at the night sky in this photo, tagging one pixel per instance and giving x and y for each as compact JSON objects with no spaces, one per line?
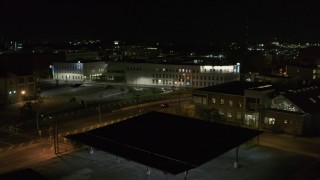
{"x":184,"y":21}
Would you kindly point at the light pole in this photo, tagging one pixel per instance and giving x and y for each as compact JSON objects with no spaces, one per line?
{"x":137,"y":101}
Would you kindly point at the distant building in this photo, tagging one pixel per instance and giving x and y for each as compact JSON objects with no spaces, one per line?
{"x":17,"y":87}
{"x":78,"y":55}
{"x":306,"y":66}
{"x":121,"y":52}
{"x":174,"y":75}
{"x":257,"y":105}
{"x":73,"y":72}
{"x":306,"y":73}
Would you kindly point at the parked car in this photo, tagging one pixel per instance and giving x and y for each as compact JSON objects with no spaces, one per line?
{"x":77,"y":85}
{"x":164,"y":105}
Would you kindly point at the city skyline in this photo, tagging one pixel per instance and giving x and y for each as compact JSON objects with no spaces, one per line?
{"x":178,"y":21}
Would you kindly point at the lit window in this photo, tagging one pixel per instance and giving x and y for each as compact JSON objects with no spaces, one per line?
{"x":230,"y":103}
{"x":239,"y":104}
{"x":222,"y":101}
{"x":213,"y":100}
{"x":270,"y":120}
{"x":221,"y":112}
{"x":285,"y":121}
{"x":229,"y":114}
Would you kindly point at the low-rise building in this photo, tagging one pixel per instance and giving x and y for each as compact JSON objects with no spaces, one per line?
{"x":17,"y":87}
{"x":174,"y":75}
{"x":259,"y":106}
{"x":73,"y":72}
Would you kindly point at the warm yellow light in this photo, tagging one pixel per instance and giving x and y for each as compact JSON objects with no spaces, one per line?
{"x":23,"y":92}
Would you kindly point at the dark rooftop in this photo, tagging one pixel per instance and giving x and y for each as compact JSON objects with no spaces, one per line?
{"x":167,"y":142}
{"x":23,"y":174}
{"x":308,"y":98}
{"x":235,"y":87}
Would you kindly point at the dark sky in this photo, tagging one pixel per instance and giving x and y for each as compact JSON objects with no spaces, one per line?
{"x":189,"y":21}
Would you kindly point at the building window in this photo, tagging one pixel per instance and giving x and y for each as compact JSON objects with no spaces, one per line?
{"x":30,"y":79}
{"x":229,"y":114}
{"x":213,"y":100}
{"x":221,"y":112}
{"x":222,"y":101}
{"x":230,"y":103}
{"x":238,"y":115}
{"x":285,"y":121}
{"x":239,"y":104}
{"x":21,"y":80}
{"x":270,"y":121}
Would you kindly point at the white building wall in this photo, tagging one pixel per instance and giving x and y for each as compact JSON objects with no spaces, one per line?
{"x":179,"y":75}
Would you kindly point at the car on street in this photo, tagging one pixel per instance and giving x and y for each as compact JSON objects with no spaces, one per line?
{"x":164,"y":105}
{"x":77,"y":85}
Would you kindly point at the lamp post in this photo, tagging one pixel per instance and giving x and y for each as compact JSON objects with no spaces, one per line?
{"x":137,"y":101}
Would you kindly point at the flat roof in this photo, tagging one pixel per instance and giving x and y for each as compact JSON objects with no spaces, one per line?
{"x":167,"y":142}
{"x":234,"y":87}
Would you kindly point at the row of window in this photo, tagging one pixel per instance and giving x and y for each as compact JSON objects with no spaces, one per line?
{"x":22,"y":80}
{"x":162,"y":70}
{"x":222,"y":102}
{"x":267,"y":120}
{"x":173,"y":70}
{"x":230,"y":114}
{"x":69,"y":77}
{"x":195,"y":83}
{"x":71,"y":72}
{"x":70,"y":67}
{"x":271,"y":121}
{"x":188,"y":77}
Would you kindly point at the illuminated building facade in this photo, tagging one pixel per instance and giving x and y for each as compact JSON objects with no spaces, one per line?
{"x":73,"y":72}
{"x":176,"y":75}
